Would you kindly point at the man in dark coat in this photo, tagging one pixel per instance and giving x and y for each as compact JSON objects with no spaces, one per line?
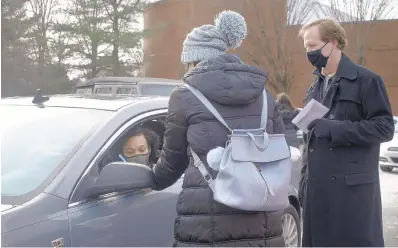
{"x":342,"y":200}
{"x":235,"y":90}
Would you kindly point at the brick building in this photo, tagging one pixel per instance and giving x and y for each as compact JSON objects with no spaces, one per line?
{"x":171,"y":20}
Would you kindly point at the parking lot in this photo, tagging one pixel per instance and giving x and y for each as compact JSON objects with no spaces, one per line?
{"x":389,"y":190}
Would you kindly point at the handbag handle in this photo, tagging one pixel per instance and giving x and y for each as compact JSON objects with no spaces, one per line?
{"x":260,"y":147}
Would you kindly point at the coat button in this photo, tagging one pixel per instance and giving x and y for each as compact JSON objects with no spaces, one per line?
{"x":331,"y":149}
{"x":331,"y":117}
{"x":333,"y":178}
{"x":311,"y":149}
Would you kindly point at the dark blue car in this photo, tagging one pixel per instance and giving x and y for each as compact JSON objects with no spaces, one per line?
{"x":54,"y":192}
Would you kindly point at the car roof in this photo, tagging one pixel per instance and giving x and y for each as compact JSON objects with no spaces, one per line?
{"x":127,"y":80}
{"x":99,"y":102}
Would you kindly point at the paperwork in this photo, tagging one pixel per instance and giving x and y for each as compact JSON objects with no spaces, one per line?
{"x":312,"y":111}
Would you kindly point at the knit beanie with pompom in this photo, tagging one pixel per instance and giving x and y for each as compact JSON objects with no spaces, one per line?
{"x":209,"y":41}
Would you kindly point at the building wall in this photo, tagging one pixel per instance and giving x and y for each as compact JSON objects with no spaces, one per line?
{"x":171,"y":20}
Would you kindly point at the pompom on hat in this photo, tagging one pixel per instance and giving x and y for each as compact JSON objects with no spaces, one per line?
{"x":209,"y":41}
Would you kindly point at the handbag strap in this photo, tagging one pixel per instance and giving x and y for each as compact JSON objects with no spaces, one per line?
{"x":210,"y":107}
{"x":202,"y":169}
{"x":196,"y":160}
{"x":264,"y":112}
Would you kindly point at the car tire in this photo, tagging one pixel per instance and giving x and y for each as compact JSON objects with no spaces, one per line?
{"x":386,"y":168}
{"x":291,"y":226}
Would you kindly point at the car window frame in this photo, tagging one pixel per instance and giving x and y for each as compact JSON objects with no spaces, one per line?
{"x":77,"y":196}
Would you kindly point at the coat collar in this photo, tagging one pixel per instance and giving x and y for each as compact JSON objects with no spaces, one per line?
{"x":346,"y":69}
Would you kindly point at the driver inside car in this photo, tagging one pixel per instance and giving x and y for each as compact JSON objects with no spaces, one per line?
{"x":141,"y":146}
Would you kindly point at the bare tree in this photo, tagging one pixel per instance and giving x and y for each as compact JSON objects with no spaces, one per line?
{"x":268,"y":36}
{"x":136,"y":62}
{"x":299,"y":11}
{"x":356,"y":12}
{"x":43,"y":12}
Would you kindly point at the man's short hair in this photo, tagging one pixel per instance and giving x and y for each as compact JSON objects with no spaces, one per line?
{"x":329,"y":30}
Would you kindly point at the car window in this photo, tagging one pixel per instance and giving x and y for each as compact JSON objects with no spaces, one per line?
{"x":114,"y":152}
{"x":84,"y":91}
{"x":157,"y":89}
{"x":36,"y":141}
{"x":103,"y":90}
{"x":128,"y":90}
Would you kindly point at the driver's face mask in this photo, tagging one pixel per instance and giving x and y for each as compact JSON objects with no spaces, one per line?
{"x":139,"y":159}
{"x":136,"y":150}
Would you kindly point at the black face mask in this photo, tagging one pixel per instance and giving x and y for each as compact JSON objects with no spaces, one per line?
{"x":317,"y":59}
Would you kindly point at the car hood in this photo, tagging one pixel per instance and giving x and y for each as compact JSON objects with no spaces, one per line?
{"x":5,"y":207}
{"x":392,"y":143}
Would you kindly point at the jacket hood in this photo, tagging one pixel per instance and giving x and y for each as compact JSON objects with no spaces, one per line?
{"x":227,"y":80}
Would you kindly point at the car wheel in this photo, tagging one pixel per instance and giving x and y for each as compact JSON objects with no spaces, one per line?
{"x":291,"y":227}
{"x":386,"y":168}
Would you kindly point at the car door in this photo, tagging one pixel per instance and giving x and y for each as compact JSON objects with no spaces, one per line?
{"x":134,"y":218}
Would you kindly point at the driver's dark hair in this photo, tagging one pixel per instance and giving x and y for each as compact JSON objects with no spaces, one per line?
{"x":151,"y":137}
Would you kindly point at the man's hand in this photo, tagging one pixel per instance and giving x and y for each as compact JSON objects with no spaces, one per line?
{"x":321,"y":128}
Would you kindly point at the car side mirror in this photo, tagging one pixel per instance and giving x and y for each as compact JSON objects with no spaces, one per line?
{"x":122,"y":176}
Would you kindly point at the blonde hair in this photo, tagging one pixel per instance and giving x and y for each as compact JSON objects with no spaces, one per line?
{"x":190,"y":66}
{"x":284,"y":99}
{"x":329,"y":30}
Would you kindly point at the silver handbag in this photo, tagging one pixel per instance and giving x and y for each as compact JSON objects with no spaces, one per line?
{"x":255,"y":168}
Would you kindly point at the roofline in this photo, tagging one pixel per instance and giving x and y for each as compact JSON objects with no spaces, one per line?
{"x":363,"y":22}
{"x":132,"y":83}
{"x":162,"y":2}
{"x":128,"y":103}
{"x":129,"y":80}
{"x":68,"y":107}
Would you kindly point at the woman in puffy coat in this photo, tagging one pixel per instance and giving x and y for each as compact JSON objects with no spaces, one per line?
{"x":288,"y":113}
{"x":235,"y":90}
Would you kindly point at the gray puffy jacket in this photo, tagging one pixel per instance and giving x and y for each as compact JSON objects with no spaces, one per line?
{"x":235,"y":89}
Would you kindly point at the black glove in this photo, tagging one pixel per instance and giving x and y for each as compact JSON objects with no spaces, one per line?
{"x":321,"y":128}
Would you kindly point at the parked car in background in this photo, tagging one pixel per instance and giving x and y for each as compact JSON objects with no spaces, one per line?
{"x":389,"y":152}
{"x":59,"y":189}
{"x":300,"y":135}
{"x":136,"y":86}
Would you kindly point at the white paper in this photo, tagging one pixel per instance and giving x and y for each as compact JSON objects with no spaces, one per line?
{"x":312,"y":111}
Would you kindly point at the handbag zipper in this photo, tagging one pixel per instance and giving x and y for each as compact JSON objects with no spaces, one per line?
{"x":269,"y":189}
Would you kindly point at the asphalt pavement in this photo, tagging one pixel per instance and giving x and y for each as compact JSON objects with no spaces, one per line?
{"x":389,"y":194}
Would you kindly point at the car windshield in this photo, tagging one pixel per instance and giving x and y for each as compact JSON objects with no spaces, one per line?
{"x":36,"y":141}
